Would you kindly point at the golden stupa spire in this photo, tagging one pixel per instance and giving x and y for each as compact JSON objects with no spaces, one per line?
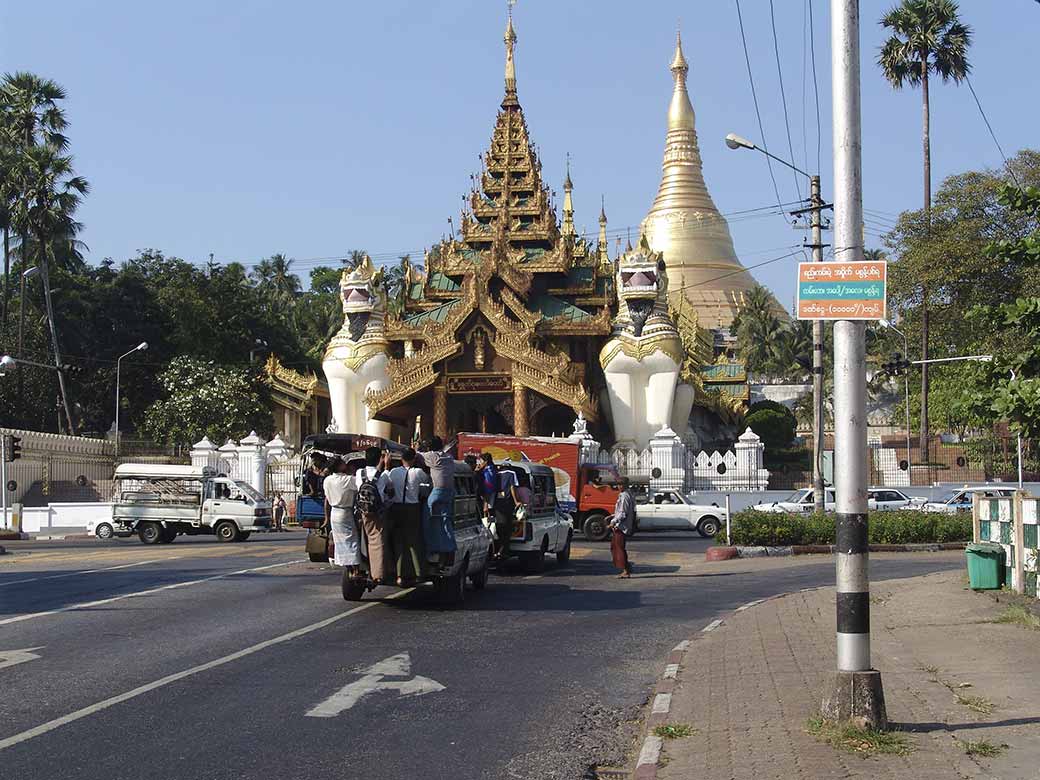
{"x":683,"y":223}
{"x":567,"y":228}
{"x":510,"y":41}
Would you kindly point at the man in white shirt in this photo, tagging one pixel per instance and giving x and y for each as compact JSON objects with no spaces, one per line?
{"x":411,"y":486}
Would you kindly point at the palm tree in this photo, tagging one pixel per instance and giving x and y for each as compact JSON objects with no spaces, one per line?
{"x":927,"y":37}
{"x":757,"y":330}
{"x":29,"y":116}
{"x":355,"y":258}
{"x":50,"y":194}
{"x":874,"y":255}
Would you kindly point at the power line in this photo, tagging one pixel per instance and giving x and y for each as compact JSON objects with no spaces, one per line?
{"x":991,"y":133}
{"x":783,"y":99}
{"x":816,"y":88}
{"x":754,"y":98}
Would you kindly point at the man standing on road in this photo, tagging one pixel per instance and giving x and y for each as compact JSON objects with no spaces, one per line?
{"x":622,"y":525}
{"x":279,"y":511}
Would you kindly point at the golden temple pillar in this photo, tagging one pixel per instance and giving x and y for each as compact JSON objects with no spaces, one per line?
{"x":440,"y":410}
{"x":521,"y":427}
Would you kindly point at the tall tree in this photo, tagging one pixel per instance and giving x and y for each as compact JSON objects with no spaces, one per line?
{"x":50,"y":194}
{"x":927,"y":37}
{"x":29,"y":116}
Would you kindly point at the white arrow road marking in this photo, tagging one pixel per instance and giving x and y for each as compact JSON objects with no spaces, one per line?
{"x":13,"y":657}
{"x":372,"y":680}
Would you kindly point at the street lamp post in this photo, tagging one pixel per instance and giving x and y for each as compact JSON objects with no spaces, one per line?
{"x":906,"y":395}
{"x":140,"y":347}
{"x":1013,"y":378}
{"x":816,"y":207}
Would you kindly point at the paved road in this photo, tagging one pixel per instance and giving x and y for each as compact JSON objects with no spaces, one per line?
{"x":203,"y":660}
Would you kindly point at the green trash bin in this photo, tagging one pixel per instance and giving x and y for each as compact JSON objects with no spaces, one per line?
{"x":985,"y":565}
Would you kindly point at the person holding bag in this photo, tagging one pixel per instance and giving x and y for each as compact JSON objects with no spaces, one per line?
{"x":411,"y":489}
{"x":622,"y":525}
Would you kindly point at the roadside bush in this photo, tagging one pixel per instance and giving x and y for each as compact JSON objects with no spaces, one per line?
{"x":774,"y":406}
{"x":776,"y":429}
{"x":754,"y":528}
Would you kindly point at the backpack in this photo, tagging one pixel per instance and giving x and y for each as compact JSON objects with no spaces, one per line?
{"x":368,"y":501}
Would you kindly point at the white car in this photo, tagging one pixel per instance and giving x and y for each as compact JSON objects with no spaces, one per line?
{"x":801,"y":501}
{"x":670,"y":509}
{"x":546,"y":529}
{"x":883,"y":499}
{"x":104,"y":528}
{"x":953,"y":501}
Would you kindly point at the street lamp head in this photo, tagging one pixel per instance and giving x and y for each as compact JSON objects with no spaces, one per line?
{"x":884,"y":323}
{"x":7,"y":363}
{"x":734,"y":141}
{"x":142,"y":346}
{"x":29,"y":273}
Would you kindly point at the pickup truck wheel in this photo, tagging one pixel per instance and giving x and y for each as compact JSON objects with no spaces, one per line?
{"x":353,"y":589}
{"x":168,"y":535}
{"x":243,"y":535}
{"x":318,"y":557}
{"x":708,"y":527}
{"x":534,"y":562}
{"x":226,"y":531}
{"x":451,"y":591}
{"x":480,"y":579}
{"x":595,"y":528}
{"x":104,"y":531}
{"x":150,"y":533}
{"x":564,"y":555}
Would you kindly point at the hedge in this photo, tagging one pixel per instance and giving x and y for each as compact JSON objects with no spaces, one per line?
{"x":754,"y":528}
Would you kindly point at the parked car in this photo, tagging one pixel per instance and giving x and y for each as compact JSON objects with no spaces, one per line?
{"x":670,"y":509}
{"x":886,"y":498}
{"x":798,"y":502}
{"x":954,"y":501}
{"x":106,"y":529}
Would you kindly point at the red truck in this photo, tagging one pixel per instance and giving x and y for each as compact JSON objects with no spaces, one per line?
{"x":587,"y":491}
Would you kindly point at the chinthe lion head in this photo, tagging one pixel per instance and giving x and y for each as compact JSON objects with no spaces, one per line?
{"x":363,"y":295}
{"x":641,"y":283}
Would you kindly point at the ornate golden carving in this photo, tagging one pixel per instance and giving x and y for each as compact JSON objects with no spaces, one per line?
{"x":641,"y":348}
{"x":520,"y":424}
{"x":277,"y":373}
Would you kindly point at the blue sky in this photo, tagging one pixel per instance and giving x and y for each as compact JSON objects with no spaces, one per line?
{"x":313,"y":128}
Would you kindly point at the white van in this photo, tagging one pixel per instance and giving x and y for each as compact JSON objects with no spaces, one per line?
{"x":547,"y":528}
{"x":159,"y":501}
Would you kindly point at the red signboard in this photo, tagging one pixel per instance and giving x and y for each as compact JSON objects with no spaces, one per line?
{"x":561,"y":456}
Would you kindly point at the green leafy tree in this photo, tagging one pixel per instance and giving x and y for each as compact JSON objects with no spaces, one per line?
{"x":1010,"y":388}
{"x":201,"y":398}
{"x":757,"y":329}
{"x":927,"y":38}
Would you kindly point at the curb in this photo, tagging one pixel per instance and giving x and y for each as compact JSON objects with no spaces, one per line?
{"x":724,"y":553}
{"x":650,"y":749}
{"x":59,"y":537}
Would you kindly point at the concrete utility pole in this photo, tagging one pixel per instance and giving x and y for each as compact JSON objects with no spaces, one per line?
{"x":819,"y":493}
{"x":858,"y":695}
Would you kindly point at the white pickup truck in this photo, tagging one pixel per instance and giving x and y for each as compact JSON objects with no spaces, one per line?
{"x":158,"y":502}
{"x":670,"y":509}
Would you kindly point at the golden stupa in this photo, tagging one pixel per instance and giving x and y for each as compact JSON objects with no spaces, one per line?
{"x":685,"y":225}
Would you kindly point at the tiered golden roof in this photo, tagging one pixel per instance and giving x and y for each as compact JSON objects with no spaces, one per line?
{"x":512,"y":268}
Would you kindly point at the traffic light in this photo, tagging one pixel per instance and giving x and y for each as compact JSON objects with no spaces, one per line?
{"x":896,"y":366}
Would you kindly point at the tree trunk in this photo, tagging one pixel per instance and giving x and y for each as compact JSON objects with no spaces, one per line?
{"x":7,"y":283}
{"x":46,"y":278}
{"x":928,"y":224}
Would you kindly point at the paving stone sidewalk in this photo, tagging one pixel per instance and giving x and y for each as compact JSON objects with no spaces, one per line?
{"x":750,"y":686}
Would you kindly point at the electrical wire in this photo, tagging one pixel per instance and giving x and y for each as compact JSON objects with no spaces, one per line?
{"x":816,"y":89}
{"x":783,"y":99}
{"x":754,"y":98}
{"x":991,"y":133}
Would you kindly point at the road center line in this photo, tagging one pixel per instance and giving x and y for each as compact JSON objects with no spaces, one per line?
{"x":50,"y":725}
{"x":89,"y":571}
{"x":99,"y":602}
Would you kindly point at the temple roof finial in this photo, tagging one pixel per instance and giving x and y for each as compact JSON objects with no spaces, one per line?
{"x":567,"y":185}
{"x":602,"y":210}
{"x":510,"y":41}
{"x":679,"y":64}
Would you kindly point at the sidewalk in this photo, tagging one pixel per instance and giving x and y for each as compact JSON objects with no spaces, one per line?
{"x":770,"y":663}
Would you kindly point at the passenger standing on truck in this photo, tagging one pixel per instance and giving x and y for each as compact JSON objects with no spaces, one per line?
{"x":411,"y":487}
{"x":439,"y":520}
{"x":340,"y":492}
{"x":374,"y":493}
{"x":313,"y":479}
{"x":622,"y":525}
{"x":489,"y":486}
